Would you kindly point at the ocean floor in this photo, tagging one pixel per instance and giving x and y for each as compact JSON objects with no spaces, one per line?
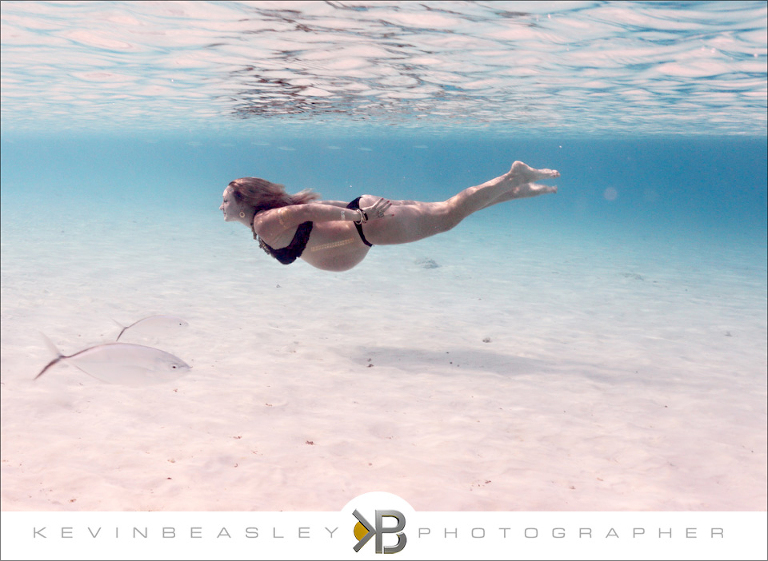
{"x":531,"y":369}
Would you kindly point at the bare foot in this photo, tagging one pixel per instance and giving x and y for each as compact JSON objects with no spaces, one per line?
{"x":521,"y":173}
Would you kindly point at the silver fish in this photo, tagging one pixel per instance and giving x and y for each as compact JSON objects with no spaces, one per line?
{"x":153,"y":324}
{"x":122,"y":363}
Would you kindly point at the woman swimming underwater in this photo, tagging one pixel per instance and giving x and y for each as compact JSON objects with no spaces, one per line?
{"x":336,"y":236}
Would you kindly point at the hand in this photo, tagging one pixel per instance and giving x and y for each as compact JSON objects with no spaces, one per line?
{"x":376,"y":210}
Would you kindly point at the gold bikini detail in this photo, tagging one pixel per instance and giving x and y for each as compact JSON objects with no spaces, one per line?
{"x":320,"y":247}
{"x":332,"y":244}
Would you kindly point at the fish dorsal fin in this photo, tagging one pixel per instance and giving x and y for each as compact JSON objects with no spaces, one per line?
{"x":122,"y":328}
{"x":51,"y":347}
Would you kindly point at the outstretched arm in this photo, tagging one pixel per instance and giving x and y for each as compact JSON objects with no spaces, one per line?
{"x":279,"y":219}
{"x":341,"y":204}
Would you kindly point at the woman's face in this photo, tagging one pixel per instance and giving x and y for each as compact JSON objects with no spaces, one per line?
{"x":229,"y":205}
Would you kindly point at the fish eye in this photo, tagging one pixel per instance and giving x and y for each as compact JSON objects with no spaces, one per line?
{"x":173,"y":366}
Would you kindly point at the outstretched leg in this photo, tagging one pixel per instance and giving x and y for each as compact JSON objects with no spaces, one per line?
{"x":512,"y":185}
{"x":413,"y":220}
{"x":527,"y":190}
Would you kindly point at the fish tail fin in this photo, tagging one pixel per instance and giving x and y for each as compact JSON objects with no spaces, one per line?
{"x":54,"y":351}
{"x":122,"y":329}
{"x":47,"y":366}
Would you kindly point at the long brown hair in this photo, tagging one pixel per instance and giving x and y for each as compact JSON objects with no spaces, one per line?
{"x":261,"y":194}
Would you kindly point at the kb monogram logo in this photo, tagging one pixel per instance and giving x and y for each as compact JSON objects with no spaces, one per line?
{"x":364,"y":532}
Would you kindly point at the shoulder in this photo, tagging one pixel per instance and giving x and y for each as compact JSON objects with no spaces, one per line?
{"x":273,"y":222}
{"x":267,"y":223}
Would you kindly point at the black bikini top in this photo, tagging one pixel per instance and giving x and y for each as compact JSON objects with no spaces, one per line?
{"x":289,"y":254}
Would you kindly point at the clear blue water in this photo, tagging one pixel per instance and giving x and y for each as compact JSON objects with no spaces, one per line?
{"x":703,"y":186}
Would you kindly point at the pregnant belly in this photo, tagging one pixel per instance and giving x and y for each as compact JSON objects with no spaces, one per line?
{"x":334,"y":246}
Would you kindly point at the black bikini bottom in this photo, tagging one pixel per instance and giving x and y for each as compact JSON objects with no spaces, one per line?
{"x":355,"y":205}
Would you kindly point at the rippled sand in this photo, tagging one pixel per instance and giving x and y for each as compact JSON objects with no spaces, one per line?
{"x":532,"y":369}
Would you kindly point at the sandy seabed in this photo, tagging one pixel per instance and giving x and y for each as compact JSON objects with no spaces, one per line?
{"x":531,"y":370}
